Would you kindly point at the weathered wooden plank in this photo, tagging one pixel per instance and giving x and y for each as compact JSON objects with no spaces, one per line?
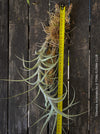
{"x":18,"y":12}
{"x":18,"y":35}
{"x":95,"y":67}
{"x":3,"y":64}
{"x":18,"y":45}
{"x":38,"y":13}
{"x":79,"y":66}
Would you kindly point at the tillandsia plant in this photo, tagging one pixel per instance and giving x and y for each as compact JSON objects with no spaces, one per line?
{"x":28,"y":2}
{"x":46,"y":69}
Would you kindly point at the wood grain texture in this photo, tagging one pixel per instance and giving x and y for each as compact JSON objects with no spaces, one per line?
{"x":18,"y":45}
{"x":95,"y":67}
{"x":18,"y":12}
{"x":38,"y":13}
{"x":3,"y":64}
{"x":79,"y":66}
{"x":20,"y":33}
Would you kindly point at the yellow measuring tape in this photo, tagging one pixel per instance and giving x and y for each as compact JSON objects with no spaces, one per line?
{"x":60,"y":66}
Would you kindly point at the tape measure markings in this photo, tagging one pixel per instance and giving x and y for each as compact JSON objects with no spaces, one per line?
{"x":60,"y":66}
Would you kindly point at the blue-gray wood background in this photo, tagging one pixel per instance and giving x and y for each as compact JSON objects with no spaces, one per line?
{"x":20,"y":33}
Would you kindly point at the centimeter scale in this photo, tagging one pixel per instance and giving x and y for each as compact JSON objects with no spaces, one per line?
{"x":60,"y":66}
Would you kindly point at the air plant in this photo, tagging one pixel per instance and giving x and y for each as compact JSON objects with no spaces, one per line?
{"x":28,"y":2}
{"x":46,"y":69}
